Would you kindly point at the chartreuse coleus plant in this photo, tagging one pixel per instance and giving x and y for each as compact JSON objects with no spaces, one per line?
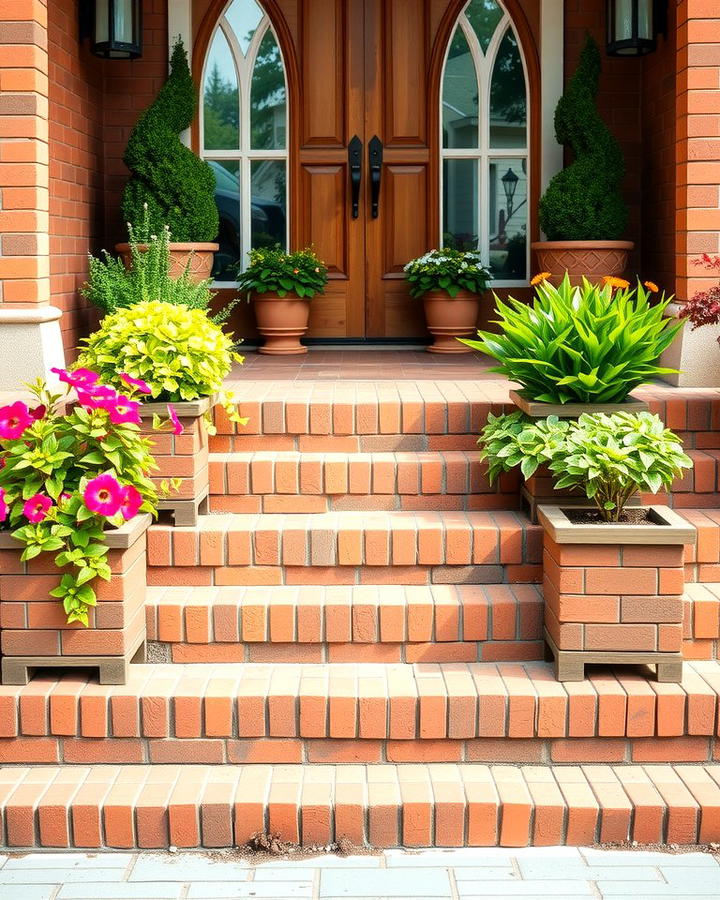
{"x":592,"y":343}
{"x":69,"y":470}
{"x":607,"y":457}
{"x":447,"y":270}
{"x":273,"y":271}
{"x":179,"y":353}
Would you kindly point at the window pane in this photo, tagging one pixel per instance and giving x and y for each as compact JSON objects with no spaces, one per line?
{"x":221,"y":108}
{"x":460,"y":204}
{"x":267,"y":98}
{"x":484,"y":16}
{"x":460,"y":96}
{"x":508,"y":112}
{"x":227,"y":199}
{"x":508,"y":218}
{"x":269,"y":202}
{"x":244,"y":17}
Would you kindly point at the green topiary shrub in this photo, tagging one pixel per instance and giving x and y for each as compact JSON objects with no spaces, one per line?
{"x":178,"y":187}
{"x":583,"y":202}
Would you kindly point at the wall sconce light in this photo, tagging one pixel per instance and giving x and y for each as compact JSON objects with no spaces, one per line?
{"x":633,"y":26}
{"x":113,"y":26}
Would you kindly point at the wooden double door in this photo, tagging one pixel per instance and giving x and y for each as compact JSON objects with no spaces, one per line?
{"x":363,"y":167}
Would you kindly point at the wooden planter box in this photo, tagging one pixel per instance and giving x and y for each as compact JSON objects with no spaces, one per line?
{"x":33,"y":630}
{"x":184,"y":456}
{"x":614,"y":593}
{"x":537,"y":409}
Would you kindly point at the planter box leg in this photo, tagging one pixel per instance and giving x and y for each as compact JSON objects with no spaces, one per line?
{"x":568,"y":667}
{"x":670,"y":671}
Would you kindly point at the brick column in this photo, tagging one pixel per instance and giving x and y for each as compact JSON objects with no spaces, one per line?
{"x":697,"y":114}
{"x":29,"y":326}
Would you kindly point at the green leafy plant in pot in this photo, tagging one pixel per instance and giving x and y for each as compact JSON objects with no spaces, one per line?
{"x":582,"y":212}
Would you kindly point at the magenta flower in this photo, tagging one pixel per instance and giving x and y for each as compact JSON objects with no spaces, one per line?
{"x":98,"y":397}
{"x":103,"y":495}
{"x":14,"y":419}
{"x":37,"y":508}
{"x":176,"y":423}
{"x":3,"y":505}
{"x":82,"y":379}
{"x":124,"y":410}
{"x":137,"y":383}
{"x":131,"y":502}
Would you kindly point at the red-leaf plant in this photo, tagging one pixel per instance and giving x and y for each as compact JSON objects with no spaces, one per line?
{"x":704,"y":307}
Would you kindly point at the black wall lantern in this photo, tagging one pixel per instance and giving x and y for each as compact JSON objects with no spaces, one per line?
{"x":509,"y":183}
{"x":633,"y":26}
{"x":113,"y":26}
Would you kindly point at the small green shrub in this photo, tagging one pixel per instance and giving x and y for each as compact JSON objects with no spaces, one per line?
{"x":447,"y":270}
{"x":583,"y":201}
{"x":584,"y":344}
{"x":179,"y":352}
{"x":177,"y":186}
{"x":111,"y":286}
{"x":273,"y":271}
{"x":607,"y":457}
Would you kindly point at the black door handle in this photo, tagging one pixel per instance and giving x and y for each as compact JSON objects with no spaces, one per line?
{"x":355,"y":167}
{"x":375,"y":154}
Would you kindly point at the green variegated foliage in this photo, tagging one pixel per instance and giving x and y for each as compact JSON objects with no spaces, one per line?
{"x":607,"y":457}
{"x":583,"y":344}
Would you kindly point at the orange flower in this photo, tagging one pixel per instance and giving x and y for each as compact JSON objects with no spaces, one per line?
{"x":539,"y":278}
{"x":616,"y":282}
{"x":651,"y":286}
{"x":295,"y":271}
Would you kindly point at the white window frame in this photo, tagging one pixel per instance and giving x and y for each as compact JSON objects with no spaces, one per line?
{"x":484,"y":64}
{"x":244,"y":64}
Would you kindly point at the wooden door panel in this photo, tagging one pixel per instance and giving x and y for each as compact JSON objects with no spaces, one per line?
{"x":324,"y":220}
{"x":405,"y":216}
{"x":404,"y":31}
{"x":324,"y":33}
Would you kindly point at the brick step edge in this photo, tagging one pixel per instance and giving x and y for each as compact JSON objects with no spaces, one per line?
{"x":155,"y":807}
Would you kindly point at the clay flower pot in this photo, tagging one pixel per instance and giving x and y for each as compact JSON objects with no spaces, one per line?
{"x":282,"y":321}
{"x":448,"y":318}
{"x":200,"y":256}
{"x":591,"y":259}
{"x":34,"y":632}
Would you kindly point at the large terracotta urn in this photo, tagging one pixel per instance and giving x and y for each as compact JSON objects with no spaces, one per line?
{"x":282,"y":321}
{"x":590,"y":259}
{"x":449,"y":318}
{"x":199,"y":256}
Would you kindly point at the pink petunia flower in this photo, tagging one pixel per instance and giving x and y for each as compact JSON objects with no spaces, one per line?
{"x":137,"y":383}
{"x":3,"y":506}
{"x":131,"y":502}
{"x":98,"y":397}
{"x":82,"y":379}
{"x":177,"y":424}
{"x":124,"y":410}
{"x":103,"y":495}
{"x":37,"y":508}
{"x":14,"y":419}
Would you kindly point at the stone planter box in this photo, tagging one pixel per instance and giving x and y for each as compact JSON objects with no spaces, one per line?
{"x":184,"y":456}
{"x":538,"y":490}
{"x":537,"y":409}
{"x":33,"y":630}
{"x":614,"y":593}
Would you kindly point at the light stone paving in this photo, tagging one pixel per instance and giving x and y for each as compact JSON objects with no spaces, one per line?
{"x":537,"y":872}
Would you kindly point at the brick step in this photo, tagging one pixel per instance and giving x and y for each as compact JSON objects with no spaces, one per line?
{"x":392,"y":623}
{"x":370,"y":713}
{"x":347,"y":548}
{"x":294,"y":482}
{"x":126,"y":807}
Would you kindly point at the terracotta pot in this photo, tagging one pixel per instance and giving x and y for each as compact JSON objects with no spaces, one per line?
{"x":282,"y":321}
{"x":449,"y":318}
{"x":35,"y":633}
{"x":199,"y":255}
{"x":591,"y":259}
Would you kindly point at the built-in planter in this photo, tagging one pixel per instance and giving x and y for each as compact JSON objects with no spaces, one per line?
{"x":34,"y":632}
{"x":282,"y":321}
{"x":181,"y":456}
{"x":537,"y":409}
{"x":197,"y":257}
{"x":449,"y":318}
{"x":582,"y":259}
{"x":613,"y":592}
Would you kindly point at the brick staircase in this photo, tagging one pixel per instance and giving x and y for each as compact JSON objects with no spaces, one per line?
{"x":349,"y":644}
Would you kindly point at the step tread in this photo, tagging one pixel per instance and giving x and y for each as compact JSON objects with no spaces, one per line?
{"x":421,"y":805}
{"x":365,"y":700}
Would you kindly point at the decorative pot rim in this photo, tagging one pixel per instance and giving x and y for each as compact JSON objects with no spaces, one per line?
{"x":274,"y":298}
{"x":185,"y":408}
{"x":462,"y":294}
{"x":116,"y":538}
{"x":668,"y":528}
{"x":200,"y":246}
{"x":583,"y":245}
{"x":542,"y":409}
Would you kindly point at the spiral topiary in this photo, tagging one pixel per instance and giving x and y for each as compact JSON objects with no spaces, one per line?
{"x":177,"y":186}
{"x":583,"y":201}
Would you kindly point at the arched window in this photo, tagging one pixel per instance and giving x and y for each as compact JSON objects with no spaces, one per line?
{"x":243,"y":133}
{"x":484,"y":120}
